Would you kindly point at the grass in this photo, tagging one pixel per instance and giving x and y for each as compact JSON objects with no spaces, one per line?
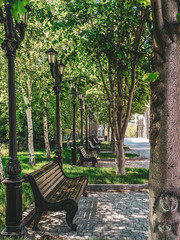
{"x":94,"y":175}
{"x":108,"y":175}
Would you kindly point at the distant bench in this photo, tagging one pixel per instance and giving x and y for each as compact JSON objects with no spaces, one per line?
{"x":93,"y":147}
{"x":54,"y":191}
{"x":96,"y":142}
{"x":84,"y":157}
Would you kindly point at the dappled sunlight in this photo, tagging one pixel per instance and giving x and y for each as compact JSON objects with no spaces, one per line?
{"x":103,"y":215}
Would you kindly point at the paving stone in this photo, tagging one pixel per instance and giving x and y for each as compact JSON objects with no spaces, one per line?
{"x":101,"y":215}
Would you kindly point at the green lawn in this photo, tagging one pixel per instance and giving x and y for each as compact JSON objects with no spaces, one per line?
{"x":94,"y":175}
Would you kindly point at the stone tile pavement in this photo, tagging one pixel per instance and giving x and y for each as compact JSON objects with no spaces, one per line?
{"x":101,"y":215}
{"x":133,"y":163}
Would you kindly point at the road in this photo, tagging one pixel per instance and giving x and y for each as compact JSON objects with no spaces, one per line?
{"x":139,"y":145}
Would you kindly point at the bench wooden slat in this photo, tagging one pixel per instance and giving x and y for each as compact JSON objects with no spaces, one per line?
{"x":47,"y":181}
{"x":55,"y":182}
{"x":43,"y":169}
{"x":50,"y":194}
{"x":40,"y":178}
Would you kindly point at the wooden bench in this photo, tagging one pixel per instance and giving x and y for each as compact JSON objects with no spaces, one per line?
{"x":54,"y":191}
{"x":96,"y":143}
{"x":92,"y":147}
{"x":84,"y":157}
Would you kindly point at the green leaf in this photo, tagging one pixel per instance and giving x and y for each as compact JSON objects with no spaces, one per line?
{"x":151,"y":77}
{"x":178,"y":17}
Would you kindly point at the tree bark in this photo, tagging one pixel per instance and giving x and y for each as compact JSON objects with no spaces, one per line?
{"x":164,"y":203}
{"x":27,"y":101}
{"x":1,"y":169}
{"x":120,"y":157}
{"x":46,"y":134}
{"x":30,"y":137}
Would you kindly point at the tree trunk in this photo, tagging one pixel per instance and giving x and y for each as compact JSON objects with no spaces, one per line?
{"x":46,"y":135}
{"x":1,"y":169}
{"x":108,"y":134}
{"x":27,"y":96}
{"x":30,"y":137}
{"x":113,"y":141}
{"x":120,"y":157}
{"x":164,"y":176}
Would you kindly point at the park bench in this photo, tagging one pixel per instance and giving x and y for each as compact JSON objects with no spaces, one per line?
{"x":96,"y":143}
{"x":84,"y":157}
{"x":54,"y":191}
{"x":92,"y":147}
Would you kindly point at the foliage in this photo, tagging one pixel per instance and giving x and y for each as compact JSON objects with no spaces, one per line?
{"x":17,"y":7}
{"x":81,"y":33}
{"x":178,"y":17}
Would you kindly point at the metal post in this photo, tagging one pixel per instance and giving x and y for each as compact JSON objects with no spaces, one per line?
{"x":86,"y":129}
{"x":57,"y":70}
{"x":89,"y":127}
{"x":81,"y":109}
{"x":14,"y":226}
{"x":73,"y":148}
{"x":58,"y":149}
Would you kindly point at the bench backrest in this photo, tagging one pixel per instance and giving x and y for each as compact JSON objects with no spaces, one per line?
{"x":82,"y":151}
{"x":48,"y":177}
{"x":91,"y":144}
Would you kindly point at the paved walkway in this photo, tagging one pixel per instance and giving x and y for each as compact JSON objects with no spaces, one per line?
{"x":139,"y":145}
{"x":102,"y":215}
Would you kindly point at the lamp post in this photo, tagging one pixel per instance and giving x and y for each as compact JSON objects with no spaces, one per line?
{"x":57,"y":70}
{"x":86,"y":107}
{"x":73,"y":147}
{"x":81,"y":97}
{"x":89,"y":123}
{"x":14,"y":34}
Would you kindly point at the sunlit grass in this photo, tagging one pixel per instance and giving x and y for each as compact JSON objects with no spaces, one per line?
{"x":108,"y":175}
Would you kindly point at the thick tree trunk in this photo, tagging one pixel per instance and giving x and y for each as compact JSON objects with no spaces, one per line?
{"x":120,"y":157}
{"x":30,"y":137}
{"x":46,"y":134}
{"x":164,"y":176}
{"x":1,"y":169}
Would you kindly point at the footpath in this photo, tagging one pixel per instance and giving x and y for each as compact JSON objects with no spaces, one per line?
{"x":119,"y":215}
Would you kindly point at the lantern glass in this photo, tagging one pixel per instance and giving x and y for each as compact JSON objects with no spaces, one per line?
{"x":80,"y":96}
{"x":61,"y":68}
{"x":51,"y":54}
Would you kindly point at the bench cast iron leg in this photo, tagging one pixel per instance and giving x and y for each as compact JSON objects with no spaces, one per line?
{"x":37,"y":218}
{"x":85,"y":194}
{"x":69,"y":218}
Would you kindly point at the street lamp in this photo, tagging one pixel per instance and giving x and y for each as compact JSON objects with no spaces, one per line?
{"x":14,"y":34}
{"x":57,"y":71}
{"x":73,"y":147}
{"x":81,"y":97}
{"x":86,"y":107}
{"x":89,"y":123}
